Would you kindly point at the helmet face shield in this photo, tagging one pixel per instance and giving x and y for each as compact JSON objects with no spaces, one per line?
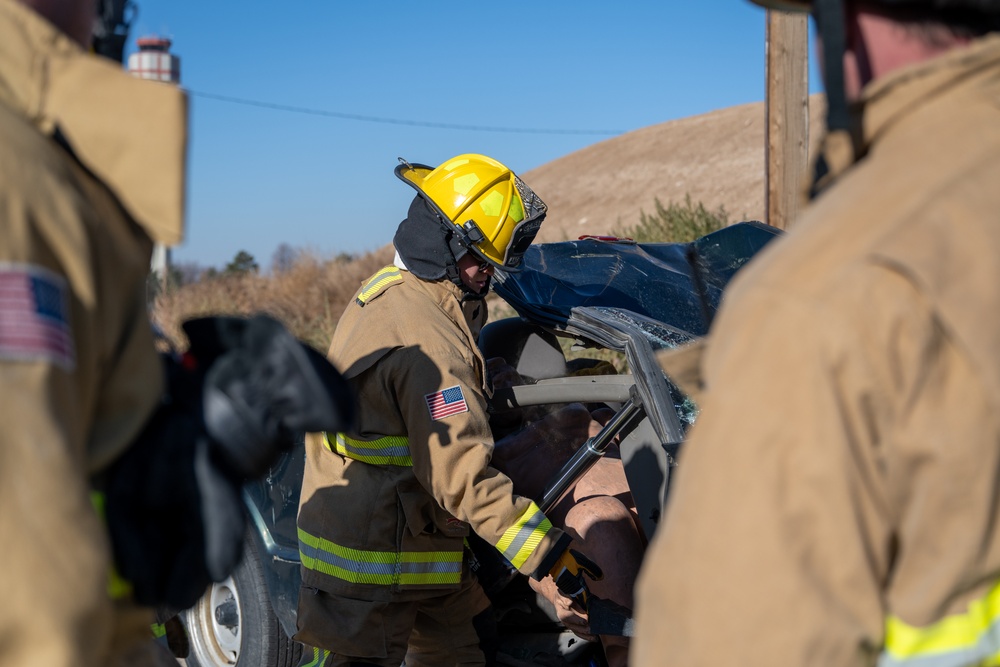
{"x":490,"y":210}
{"x":522,"y":237}
{"x":524,"y":232}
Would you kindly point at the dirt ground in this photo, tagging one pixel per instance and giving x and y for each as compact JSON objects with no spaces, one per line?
{"x":717,"y":158}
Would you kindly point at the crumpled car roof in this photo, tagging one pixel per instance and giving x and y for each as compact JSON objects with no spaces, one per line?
{"x":679,"y":284}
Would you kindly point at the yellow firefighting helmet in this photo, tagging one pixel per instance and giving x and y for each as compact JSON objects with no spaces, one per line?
{"x":494,"y":214}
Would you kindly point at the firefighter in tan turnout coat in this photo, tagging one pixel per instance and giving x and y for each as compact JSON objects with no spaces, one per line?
{"x":837,"y":501}
{"x":386,"y":508}
{"x":79,"y":374}
{"x":102,"y":516}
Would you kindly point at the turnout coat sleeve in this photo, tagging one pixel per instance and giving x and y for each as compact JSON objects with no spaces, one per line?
{"x":451,"y":455}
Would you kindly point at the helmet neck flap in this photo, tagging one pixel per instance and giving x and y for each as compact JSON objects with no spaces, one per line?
{"x":428,"y":248}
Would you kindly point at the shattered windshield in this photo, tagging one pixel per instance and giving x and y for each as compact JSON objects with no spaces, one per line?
{"x":659,"y":335}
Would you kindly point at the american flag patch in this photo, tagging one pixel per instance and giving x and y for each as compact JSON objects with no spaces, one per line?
{"x":446,"y":402}
{"x":34,"y":325}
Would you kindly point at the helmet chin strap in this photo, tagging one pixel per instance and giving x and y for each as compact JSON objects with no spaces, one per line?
{"x":459,"y":250}
{"x":830,"y":24}
{"x":842,"y":144}
{"x":111,"y":26}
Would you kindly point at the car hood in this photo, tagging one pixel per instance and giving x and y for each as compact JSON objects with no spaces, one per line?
{"x":677,"y":284}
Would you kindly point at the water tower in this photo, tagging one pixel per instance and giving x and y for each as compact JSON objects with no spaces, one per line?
{"x":154,"y":61}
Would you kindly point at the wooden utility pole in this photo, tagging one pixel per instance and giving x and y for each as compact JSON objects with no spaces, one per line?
{"x":787,"y":110}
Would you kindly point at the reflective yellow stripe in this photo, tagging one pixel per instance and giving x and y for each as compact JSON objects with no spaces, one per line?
{"x":379,"y":568}
{"x":972,"y":638}
{"x":520,"y":540}
{"x":319,"y":658}
{"x":383,"y":277}
{"x":391,"y":450}
{"x":118,"y":588}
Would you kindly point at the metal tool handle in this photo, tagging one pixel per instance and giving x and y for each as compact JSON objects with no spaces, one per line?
{"x":587,"y":455}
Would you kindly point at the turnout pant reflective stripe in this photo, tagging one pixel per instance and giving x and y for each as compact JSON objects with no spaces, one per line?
{"x":315,"y":658}
{"x":971,"y":638}
{"x":118,"y":588}
{"x":391,"y":450}
{"x":381,"y":568}
{"x":520,"y":540}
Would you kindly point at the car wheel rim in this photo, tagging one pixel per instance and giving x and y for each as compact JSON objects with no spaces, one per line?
{"x":217,"y":616}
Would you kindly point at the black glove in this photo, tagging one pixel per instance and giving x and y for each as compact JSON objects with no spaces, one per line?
{"x":234,"y":401}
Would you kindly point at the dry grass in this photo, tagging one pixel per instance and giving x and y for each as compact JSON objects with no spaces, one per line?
{"x":308,"y":298}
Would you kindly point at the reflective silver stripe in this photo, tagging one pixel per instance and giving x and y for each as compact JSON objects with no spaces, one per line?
{"x":382,"y":277}
{"x":381,"y":568}
{"x":984,"y":653}
{"x":353,"y":449}
{"x":521,"y":539}
{"x":387,"y":450}
{"x":968,"y":638}
{"x":353,"y":565}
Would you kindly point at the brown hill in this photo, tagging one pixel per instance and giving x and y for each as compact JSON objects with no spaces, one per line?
{"x":717,"y":158}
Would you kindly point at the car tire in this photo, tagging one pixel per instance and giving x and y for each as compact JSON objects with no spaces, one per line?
{"x":234,"y":624}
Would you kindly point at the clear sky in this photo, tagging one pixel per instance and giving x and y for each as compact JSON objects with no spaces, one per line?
{"x":523,"y":82}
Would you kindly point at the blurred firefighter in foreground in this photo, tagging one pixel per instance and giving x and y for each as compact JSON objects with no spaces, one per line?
{"x":836,"y":503}
{"x":101,"y":435}
{"x":386,"y":507}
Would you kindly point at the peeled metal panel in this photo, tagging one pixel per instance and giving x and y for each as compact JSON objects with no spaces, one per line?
{"x":653,"y":279}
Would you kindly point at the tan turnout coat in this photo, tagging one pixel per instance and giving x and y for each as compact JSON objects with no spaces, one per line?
{"x":837,"y":502}
{"x":78,"y":371}
{"x":385,"y":510}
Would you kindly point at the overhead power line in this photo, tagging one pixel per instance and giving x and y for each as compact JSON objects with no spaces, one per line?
{"x":395,"y":121}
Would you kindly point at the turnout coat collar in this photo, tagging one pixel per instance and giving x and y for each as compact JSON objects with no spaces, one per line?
{"x":130,"y":133}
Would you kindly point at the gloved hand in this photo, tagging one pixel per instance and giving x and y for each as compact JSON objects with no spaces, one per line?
{"x":174,"y":507}
{"x":568,"y":573}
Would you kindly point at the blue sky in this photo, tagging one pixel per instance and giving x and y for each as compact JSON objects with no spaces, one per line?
{"x":564,"y":74}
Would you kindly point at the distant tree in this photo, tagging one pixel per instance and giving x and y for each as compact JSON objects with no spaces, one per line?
{"x":154,"y":286}
{"x":675,"y":223}
{"x":178,"y":275}
{"x":186,"y":273}
{"x":243,"y":262}
{"x":283,"y":258}
{"x":344,"y":258}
